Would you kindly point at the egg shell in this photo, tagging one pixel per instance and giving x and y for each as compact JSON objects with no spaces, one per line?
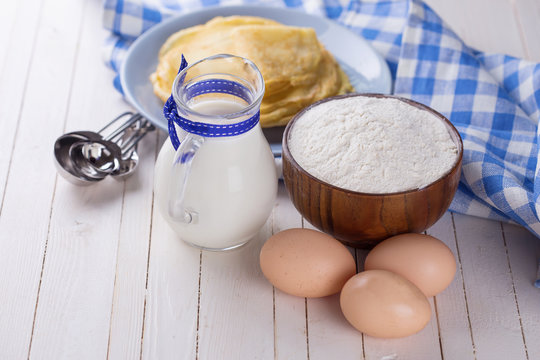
{"x":382,"y":304}
{"x":306,"y":263}
{"x":422,"y":259}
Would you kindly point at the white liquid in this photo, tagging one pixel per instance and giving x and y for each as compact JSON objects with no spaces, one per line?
{"x":232,"y":185}
{"x":217,"y":107}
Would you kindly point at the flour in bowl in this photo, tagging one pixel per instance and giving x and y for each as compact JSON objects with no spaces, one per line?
{"x":372,"y":145}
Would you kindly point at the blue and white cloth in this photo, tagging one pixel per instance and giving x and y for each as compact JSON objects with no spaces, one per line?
{"x":493,"y":100}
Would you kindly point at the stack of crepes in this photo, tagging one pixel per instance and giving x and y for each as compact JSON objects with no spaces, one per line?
{"x":296,"y":67}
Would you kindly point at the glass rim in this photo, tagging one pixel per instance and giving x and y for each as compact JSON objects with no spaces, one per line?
{"x":255,"y":103}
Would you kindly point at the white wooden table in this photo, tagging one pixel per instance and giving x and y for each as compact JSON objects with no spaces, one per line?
{"x":90,"y":273}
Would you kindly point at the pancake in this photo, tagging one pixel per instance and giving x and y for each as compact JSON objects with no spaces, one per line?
{"x":296,"y":67}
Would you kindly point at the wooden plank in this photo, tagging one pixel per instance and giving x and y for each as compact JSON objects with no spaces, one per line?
{"x":523,"y":256}
{"x":17,"y":43}
{"x":423,"y":345}
{"x":452,"y":15}
{"x":32,"y":108}
{"x":127,"y":314}
{"x":72,"y":319}
{"x":236,"y":308}
{"x":451,"y":304}
{"x":527,"y":13}
{"x":290,"y":335}
{"x":330,"y":335}
{"x":9,"y":13}
{"x":73,"y":313}
{"x":495,"y":325}
{"x":285,"y":214}
{"x":172,"y":296}
{"x":485,"y":17}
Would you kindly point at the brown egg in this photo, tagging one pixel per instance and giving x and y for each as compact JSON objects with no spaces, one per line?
{"x":306,"y":263}
{"x":425,"y":261}
{"x":383,"y":304}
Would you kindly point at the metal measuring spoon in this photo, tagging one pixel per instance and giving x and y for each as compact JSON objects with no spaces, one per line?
{"x":64,"y":163}
{"x":128,"y":144}
{"x":85,"y":157}
{"x":96,"y":158}
{"x":127,"y":166}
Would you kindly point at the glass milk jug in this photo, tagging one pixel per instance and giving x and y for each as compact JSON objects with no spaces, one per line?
{"x":218,"y":187}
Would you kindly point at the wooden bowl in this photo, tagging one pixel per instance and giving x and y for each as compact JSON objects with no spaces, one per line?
{"x":362,"y":220}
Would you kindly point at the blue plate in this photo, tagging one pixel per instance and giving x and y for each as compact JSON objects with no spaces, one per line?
{"x":367,"y":70}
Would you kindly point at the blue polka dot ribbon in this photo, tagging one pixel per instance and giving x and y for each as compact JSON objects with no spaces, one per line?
{"x":205,"y":129}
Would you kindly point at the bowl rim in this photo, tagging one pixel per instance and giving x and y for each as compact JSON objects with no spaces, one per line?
{"x":451,"y":128}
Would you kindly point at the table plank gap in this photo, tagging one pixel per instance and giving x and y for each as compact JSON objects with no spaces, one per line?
{"x":435,"y":309}
{"x":145,"y":291}
{"x":330,"y":334}
{"x":26,"y":76}
{"x":523,"y":252}
{"x":273,"y":231}
{"x":363,"y":254}
{"x":116,"y":270}
{"x":464,"y":288}
{"x":528,"y":13}
{"x":197,"y":336}
{"x":493,"y":315}
{"x":273,"y":287}
{"x":307,"y":328}
{"x":521,"y":31}
{"x":273,"y":215}
{"x":158,"y":144}
{"x":514,"y":291}
{"x":438,"y":325}
{"x":42,"y":268}
{"x":274,"y":319}
{"x":9,"y":13}
{"x":290,"y":311}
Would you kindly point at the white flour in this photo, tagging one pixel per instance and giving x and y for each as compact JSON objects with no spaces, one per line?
{"x":372,"y":145}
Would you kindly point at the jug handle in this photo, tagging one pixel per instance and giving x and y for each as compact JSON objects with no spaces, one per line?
{"x":180,"y":171}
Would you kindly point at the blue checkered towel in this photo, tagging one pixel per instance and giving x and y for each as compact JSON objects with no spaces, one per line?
{"x":493,"y":100}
